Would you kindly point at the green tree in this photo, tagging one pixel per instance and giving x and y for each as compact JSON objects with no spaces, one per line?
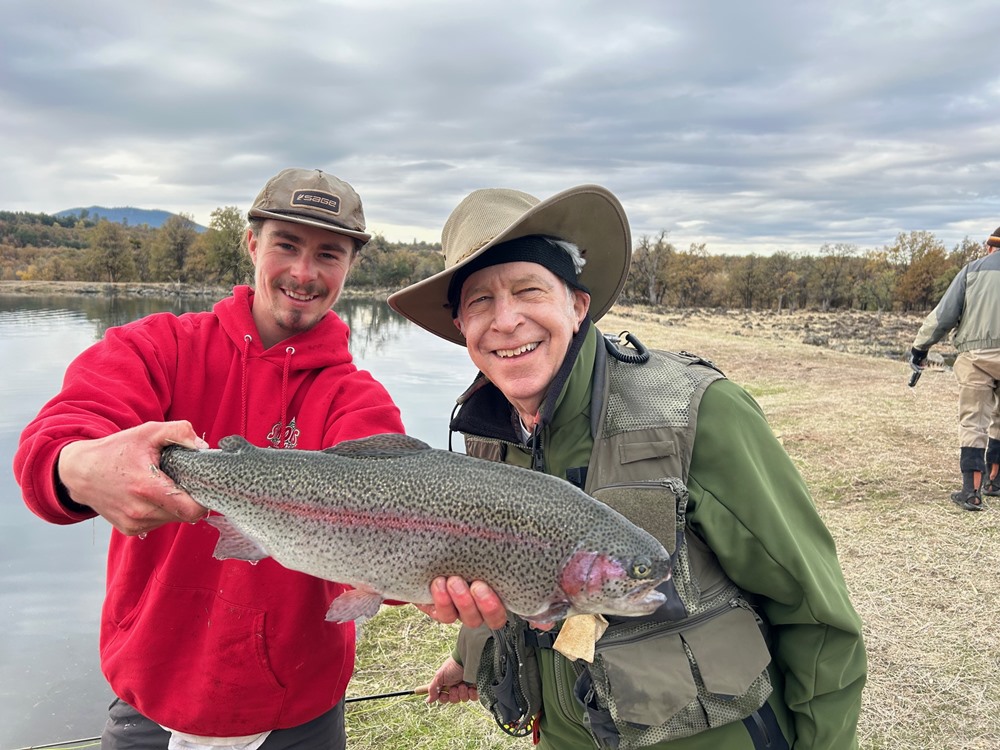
{"x":390,"y":265}
{"x":170,"y":246}
{"x":780,"y":269}
{"x":109,"y":257}
{"x":218,"y":255}
{"x":747,"y":282}
{"x":689,"y":271}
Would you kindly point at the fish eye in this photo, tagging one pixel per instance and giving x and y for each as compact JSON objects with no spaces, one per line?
{"x":642,"y":567}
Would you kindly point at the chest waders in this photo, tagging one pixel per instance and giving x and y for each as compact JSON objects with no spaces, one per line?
{"x":701,"y":660}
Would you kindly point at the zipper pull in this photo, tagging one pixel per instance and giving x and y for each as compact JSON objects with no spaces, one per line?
{"x":742,"y":603}
{"x":537,"y":459}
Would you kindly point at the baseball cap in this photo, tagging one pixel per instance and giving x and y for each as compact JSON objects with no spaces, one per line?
{"x":312,"y":197}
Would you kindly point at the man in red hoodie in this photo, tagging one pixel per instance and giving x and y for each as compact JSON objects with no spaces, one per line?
{"x":197,"y":649}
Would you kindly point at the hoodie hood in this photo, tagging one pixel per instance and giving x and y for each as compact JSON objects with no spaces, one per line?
{"x":323,"y":345}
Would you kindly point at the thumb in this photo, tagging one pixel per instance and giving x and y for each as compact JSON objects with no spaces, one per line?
{"x":179,"y":432}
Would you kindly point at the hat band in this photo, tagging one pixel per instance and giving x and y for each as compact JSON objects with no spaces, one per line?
{"x":531,"y":249}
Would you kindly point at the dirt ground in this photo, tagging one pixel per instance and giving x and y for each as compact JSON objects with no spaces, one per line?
{"x":882,"y":335}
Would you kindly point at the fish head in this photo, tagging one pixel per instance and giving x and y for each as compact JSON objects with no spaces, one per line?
{"x":622,"y":585}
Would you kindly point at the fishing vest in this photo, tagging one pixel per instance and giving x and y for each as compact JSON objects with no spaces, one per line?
{"x":701,"y":660}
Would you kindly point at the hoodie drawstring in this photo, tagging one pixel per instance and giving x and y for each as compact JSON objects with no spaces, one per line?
{"x":282,"y":431}
{"x":289,"y":351}
{"x":247,"y":338}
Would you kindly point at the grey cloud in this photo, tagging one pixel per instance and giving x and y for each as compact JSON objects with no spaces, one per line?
{"x":752,"y":126}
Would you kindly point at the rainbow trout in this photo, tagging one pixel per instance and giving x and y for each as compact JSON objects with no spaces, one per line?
{"x":388,"y":513}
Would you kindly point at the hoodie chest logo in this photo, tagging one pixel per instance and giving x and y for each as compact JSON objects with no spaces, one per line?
{"x":284,"y":436}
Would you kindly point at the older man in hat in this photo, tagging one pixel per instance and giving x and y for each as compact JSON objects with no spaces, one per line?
{"x":971,"y":308}
{"x":203,"y":652}
{"x":758,"y":645}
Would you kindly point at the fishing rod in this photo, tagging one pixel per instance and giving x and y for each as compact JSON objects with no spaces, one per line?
{"x":80,"y":744}
{"x":88,"y":742}
{"x":422,"y":690}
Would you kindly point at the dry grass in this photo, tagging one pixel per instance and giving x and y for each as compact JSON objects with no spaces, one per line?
{"x":881,"y":459}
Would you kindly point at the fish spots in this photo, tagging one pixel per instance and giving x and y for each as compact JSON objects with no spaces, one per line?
{"x":406,"y":523}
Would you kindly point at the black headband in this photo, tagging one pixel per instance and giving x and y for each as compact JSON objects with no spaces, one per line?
{"x":532,"y":249}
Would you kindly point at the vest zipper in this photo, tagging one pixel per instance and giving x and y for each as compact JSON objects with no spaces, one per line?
{"x":686,"y":624}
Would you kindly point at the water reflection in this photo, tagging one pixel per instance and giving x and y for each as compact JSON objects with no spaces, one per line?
{"x":52,"y":577}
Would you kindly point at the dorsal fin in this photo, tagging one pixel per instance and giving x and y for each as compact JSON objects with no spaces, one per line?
{"x":234,"y":444}
{"x":386,"y":445}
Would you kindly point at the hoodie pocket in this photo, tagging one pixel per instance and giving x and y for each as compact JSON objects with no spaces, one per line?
{"x":182,"y":649}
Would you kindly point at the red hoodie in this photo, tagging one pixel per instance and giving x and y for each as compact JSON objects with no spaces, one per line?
{"x":209,"y":647}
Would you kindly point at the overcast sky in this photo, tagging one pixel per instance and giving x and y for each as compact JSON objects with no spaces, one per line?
{"x":748,"y":125}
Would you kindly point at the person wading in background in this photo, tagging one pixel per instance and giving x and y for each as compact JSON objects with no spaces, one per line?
{"x":971,"y":308}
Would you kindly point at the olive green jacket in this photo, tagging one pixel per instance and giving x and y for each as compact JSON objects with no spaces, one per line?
{"x":748,"y":502}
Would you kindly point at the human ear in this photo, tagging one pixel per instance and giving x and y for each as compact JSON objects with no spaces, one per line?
{"x":581,"y":306}
{"x":252,"y":246}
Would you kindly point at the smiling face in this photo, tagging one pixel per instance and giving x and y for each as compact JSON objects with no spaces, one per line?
{"x":518,"y":320}
{"x":299,"y":271}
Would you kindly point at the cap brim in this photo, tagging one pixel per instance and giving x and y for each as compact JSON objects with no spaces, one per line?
{"x":256,"y":213}
{"x":589,"y":216}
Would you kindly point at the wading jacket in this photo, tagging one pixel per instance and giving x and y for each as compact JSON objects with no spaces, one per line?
{"x":969,"y":307}
{"x":677,"y":448}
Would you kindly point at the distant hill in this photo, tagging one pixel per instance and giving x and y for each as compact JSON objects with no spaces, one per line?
{"x":133,"y":217}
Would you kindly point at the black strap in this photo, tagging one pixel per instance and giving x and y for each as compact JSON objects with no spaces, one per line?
{"x":540,"y":638}
{"x":577,"y":476}
{"x":762,"y":726}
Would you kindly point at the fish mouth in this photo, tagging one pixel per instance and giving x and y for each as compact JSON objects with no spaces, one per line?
{"x":600,"y":582}
{"x":517,"y":351}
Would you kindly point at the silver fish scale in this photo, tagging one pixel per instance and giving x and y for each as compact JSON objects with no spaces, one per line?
{"x":389,"y":513}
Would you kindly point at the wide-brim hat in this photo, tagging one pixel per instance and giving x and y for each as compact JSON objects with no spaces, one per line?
{"x":589,"y":216}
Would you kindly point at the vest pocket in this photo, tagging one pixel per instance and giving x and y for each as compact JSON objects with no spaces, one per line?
{"x":649,"y":505}
{"x":651,"y":683}
{"x":660,"y":682}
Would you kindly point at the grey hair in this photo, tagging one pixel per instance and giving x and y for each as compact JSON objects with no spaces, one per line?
{"x":573,"y":251}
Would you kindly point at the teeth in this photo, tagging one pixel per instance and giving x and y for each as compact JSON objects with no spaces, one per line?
{"x":300,"y":297}
{"x":504,"y":353}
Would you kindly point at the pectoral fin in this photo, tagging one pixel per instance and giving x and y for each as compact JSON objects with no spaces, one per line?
{"x":356,"y":604}
{"x":233,"y":543}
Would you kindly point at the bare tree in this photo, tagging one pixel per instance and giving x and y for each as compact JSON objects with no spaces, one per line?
{"x":830,"y":278}
{"x":648,"y":275}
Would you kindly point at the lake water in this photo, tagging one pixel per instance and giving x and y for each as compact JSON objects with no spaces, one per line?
{"x":52,"y":577}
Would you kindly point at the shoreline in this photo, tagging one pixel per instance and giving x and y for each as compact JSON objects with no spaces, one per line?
{"x":881,"y":335}
{"x":108,"y":289}
{"x":136,"y":289}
